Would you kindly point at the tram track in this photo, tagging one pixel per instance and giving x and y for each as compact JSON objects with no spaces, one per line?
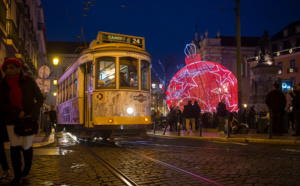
{"x":109,"y":166}
{"x":126,"y":180}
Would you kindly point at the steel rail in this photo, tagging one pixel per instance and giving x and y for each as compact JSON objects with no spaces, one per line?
{"x":109,"y":166}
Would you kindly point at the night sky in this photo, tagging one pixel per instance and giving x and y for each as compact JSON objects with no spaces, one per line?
{"x":167,"y":25}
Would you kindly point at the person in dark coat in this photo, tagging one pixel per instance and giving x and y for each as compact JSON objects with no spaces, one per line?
{"x":52,"y":117}
{"x":296,"y":109}
{"x":276,"y":102}
{"x":20,"y":97}
{"x":188,"y":114}
{"x":221,"y":113}
{"x":197,"y":111}
{"x":252,"y":119}
{"x":3,"y":138}
{"x":171,"y":117}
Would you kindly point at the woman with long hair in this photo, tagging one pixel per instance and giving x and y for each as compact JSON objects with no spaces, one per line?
{"x":20,"y":97}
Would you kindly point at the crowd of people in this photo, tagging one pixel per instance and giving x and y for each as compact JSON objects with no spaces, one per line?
{"x":250,"y":122}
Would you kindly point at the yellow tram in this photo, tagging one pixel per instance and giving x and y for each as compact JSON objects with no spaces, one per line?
{"x":106,"y":91}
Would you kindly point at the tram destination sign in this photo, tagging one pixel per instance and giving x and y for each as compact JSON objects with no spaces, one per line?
{"x":119,"y":38}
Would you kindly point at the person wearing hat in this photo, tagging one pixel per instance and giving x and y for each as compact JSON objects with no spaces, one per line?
{"x":19,"y":97}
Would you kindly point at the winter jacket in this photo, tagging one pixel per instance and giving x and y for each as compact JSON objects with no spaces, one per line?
{"x":188,"y":111}
{"x":276,"y":100}
{"x":32,"y":100}
{"x":221,"y":110}
{"x":197,"y":110}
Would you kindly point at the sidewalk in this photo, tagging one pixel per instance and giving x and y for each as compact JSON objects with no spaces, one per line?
{"x":39,"y":140}
{"x":212,"y":135}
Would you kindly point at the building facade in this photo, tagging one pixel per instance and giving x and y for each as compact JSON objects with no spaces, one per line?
{"x":23,"y":33}
{"x":285,"y":47}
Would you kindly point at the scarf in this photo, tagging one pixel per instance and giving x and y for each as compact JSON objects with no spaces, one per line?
{"x":15,"y":94}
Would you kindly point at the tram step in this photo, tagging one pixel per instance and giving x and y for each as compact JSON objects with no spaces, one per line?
{"x":128,"y":136}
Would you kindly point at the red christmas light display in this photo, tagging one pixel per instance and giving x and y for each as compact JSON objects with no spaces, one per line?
{"x":203,"y":81}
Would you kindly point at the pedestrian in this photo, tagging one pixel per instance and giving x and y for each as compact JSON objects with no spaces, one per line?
{"x":291,"y":120}
{"x":252,"y":118}
{"x":20,"y":97}
{"x":276,"y":102}
{"x":197,"y":112}
{"x":171,"y":117}
{"x":221,"y":113}
{"x":3,"y":138}
{"x":188,"y":114}
{"x":296,"y":109}
{"x":53,"y":118}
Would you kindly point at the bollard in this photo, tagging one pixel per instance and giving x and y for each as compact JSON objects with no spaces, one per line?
{"x":200,"y":128}
{"x":154,"y":127}
{"x":228,"y":129}
{"x":178,"y":127}
{"x":270,"y":124}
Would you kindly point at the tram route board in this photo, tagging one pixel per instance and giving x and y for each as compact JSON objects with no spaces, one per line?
{"x":119,"y":38}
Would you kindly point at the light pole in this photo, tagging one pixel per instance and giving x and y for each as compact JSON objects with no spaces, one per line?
{"x":55,"y":63}
{"x":246,"y":115}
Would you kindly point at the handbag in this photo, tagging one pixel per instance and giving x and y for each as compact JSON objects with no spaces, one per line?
{"x":26,"y":126}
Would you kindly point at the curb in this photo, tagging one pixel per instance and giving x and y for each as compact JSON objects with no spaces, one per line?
{"x":42,"y":144}
{"x":239,"y":140}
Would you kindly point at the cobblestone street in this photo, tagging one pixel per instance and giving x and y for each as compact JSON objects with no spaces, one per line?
{"x":163,"y":161}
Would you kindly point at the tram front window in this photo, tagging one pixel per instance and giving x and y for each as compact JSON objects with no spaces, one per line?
{"x":106,"y":72}
{"x":128,"y":72}
{"x":145,"y":77}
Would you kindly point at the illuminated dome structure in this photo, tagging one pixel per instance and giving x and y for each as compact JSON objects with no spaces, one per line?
{"x":203,"y":81}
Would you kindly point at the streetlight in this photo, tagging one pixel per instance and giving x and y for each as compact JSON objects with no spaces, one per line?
{"x":54,"y":94}
{"x":55,"y":81}
{"x":55,"y":61}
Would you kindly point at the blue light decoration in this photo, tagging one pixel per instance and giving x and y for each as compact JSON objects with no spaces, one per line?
{"x":285,"y":85}
{"x":203,"y":81}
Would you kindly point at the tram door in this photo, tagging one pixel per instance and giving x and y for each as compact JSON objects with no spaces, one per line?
{"x":88,"y":95}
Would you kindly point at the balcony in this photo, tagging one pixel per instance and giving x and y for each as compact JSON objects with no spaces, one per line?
{"x":12,"y":34}
{"x":292,"y":70}
{"x":3,"y":18}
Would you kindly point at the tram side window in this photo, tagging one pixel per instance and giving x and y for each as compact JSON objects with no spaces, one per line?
{"x":106,"y":72}
{"x":145,"y":76}
{"x":128,"y":72}
{"x":74,"y":84}
{"x":64,"y":92}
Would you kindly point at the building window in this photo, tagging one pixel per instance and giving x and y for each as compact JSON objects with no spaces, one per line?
{"x":293,"y":64}
{"x":280,"y":65}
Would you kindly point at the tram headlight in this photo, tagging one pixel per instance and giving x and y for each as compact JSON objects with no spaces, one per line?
{"x":129,"y":110}
{"x":110,"y":120}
